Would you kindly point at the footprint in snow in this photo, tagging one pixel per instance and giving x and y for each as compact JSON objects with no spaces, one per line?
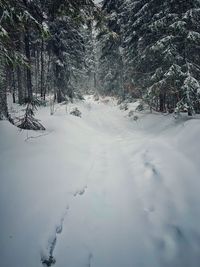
{"x":90,"y":257}
{"x":151,"y":169}
{"x":49,"y":260}
{"x":80,"y":192}
{"x":173,"y":244}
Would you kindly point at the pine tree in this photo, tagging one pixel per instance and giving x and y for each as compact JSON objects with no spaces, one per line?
{"x":67,"y":46}
{"x":161,"y":53}
{"x":110,"y":67}
{"x":42,"y":48}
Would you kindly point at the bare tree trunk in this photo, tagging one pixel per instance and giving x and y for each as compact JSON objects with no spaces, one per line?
{"x":48,"y":80}
{"x":19,"y":72}
{"x":36,"y":68}
{"x":42,"y":89}
{"x":3,"y":97}
{"x":20,"y":86}
{"x":59,"y":96}
{"x":13,"y":86}
{"x":3,"y":104}
{"x":190,"y":112}
{"x":95,"y":81}
{"x":162,"y":102}
{"x":28,"y":69}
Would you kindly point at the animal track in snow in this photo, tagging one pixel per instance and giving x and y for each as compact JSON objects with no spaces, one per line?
{"x":90,"y":257}
{"x":49,"y":260}
{"x":151,"y":170}
{"x":80,"y":192}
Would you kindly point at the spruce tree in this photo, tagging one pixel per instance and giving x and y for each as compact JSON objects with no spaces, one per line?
{"x":110,"y":66}
{"x":162,"y":53}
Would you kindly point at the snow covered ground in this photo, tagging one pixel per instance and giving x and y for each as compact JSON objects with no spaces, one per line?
{"x":103,"y":190}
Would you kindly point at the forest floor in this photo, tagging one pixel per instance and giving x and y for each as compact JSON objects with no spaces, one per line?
{"x":103,"y":190}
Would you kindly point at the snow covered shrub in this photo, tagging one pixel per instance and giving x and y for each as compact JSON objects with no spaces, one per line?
{"x":124,"y":106}
{"x":41,"y":102}
{"x":76,"y":112}
{"x":140,"y":107}
{"x":96,"y":97}
{"x":105,"y":101}
{"x":79,"y":96}
{"x":191,"y":96}
{"x":119,"y":102}
{"x":131,"y":113}
{"x":28,"y":122}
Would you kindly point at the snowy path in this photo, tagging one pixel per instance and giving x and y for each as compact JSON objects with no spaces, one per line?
{"x":100,"y":191}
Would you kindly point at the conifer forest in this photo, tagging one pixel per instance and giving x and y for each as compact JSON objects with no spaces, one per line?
{"x":99,"y":133}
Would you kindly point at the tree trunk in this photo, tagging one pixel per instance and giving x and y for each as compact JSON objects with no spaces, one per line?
{"x":3,"y":104}
{"x":19,"y":71}
{"x":48,"y":80}
{"x":28,"y":69}
{"x":20,"y":87}
{"x":13,"y":86}
{"x":42,"y":89}
{"x":37,"y":70}
{"x":59,"y":96}
{"x":190,"y":113}
{"x":3,"y":98}
{"x":162,"y":102}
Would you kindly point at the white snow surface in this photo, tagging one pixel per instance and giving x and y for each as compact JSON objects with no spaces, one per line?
{"x":103,"y":190}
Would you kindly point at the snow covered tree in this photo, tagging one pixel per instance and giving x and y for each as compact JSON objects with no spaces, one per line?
{"x":42,"y":48}
{"x":110,"y":66}
{"x":161,"y":49}
{"x":146,"y":48}
{"x":3,"y":98}
{"x":91,"y":60}
{"x":67,"y":46}
{"x":7,"y":54}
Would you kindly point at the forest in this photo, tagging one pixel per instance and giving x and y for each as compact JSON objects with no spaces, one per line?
{"x":146,"y":50}
{"x":99,"y":133}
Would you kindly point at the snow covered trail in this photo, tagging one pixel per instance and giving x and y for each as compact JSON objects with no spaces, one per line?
{"x":100,"y":191}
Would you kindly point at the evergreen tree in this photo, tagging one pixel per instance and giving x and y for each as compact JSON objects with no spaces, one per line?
{"x":42,"y":48}
{"x":67,"y":47}
{"x":146,"y":48}
{"x":162,"y":53}
{"x":110,"y":66}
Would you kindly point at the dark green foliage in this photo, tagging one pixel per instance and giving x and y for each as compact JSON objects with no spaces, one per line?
{"x":42,"y":44}
{"x":145,"y":49}
{"x":162,"y":47}
{"x":110,"y":66}
{"x":150,"y":50}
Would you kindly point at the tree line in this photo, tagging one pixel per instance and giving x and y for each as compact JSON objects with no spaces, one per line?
{"x":43,"y":48}
{"x":146,"y":49}
{"x":152,"y":51}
